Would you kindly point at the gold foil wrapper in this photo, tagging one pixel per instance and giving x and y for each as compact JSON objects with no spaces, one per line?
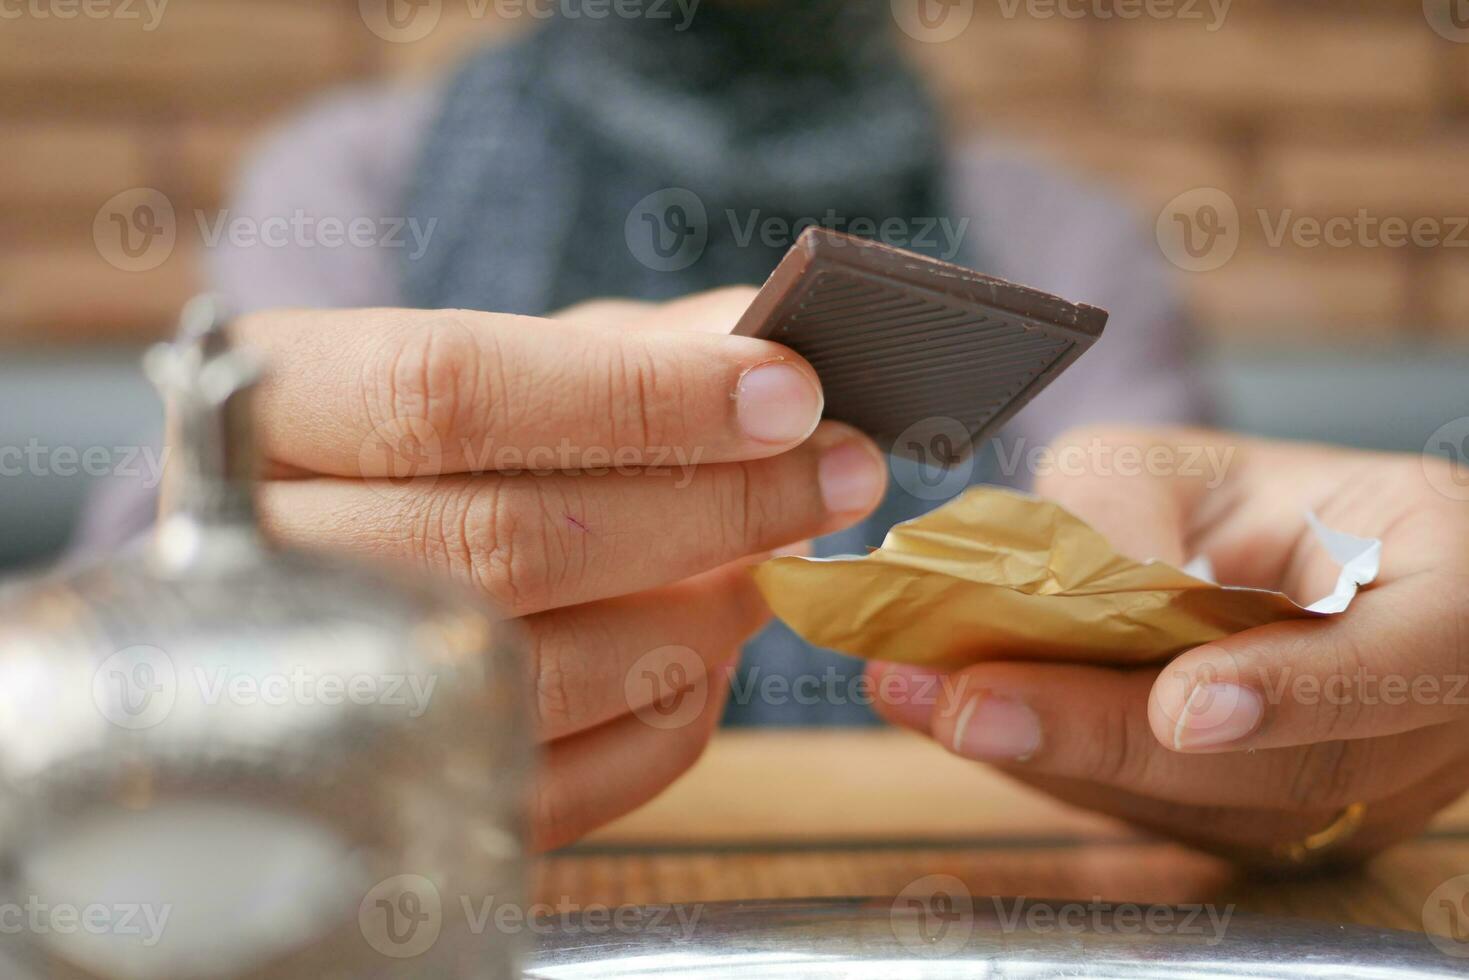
{"x":997,"y":574}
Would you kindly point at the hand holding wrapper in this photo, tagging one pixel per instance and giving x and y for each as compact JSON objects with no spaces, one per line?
{"x":1001,"y":575}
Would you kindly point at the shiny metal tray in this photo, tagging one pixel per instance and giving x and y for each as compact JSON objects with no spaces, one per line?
{"x":930,"y":938}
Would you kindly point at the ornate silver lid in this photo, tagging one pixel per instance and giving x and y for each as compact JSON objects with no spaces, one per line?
{"x":282,"y":750}
{"x":207,"y":385}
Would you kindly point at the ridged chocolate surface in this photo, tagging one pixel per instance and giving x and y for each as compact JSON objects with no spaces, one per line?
{"x":900,"y":340}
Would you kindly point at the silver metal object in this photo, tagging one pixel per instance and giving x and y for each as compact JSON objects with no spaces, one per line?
{"x":220,"y":759}
{"x":937,"y":937}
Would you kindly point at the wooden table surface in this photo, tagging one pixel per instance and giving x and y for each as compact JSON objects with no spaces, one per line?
{"x":792,"y":814}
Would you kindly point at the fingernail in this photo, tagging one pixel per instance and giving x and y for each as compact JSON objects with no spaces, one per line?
{"x":778,"y":403}
{"x":996,"y":729}
{"x":1217,"y":714}
{"x":852,"y":476}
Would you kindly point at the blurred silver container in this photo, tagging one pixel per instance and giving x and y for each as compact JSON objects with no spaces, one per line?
{"x":219,"y":759}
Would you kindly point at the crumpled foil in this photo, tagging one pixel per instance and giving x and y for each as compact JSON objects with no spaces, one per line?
{"x":997,"y":574}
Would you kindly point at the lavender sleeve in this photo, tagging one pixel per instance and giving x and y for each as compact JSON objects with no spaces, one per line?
{"x":1036,"y":225}
{"x":343,"y":162}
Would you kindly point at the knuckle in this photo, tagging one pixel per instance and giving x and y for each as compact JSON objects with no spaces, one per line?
{"x":437,"y":530}
{"x":517,"y":547}
{"x":560,"y":691}
{"x":501,"y":551}
{"x":421,"y":522}
{"x":570,"y":698}
{"x":743,"y":516}
{"x":1119,"y":753}
{"x":427,"y":370}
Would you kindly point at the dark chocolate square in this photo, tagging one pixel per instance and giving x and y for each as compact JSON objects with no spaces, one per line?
{"x":909,"y":347}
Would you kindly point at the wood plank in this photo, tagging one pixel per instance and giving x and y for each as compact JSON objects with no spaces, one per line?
{"x":1264,"y":63}
{"x":1392,"y":892}
{"x":202,"y":58}
{"x":70,"y":294}
{"x":865,"y":785}
{"x":880,"y":784}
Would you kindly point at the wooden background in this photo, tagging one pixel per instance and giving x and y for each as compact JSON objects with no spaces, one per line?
{"x":1324,"y":107}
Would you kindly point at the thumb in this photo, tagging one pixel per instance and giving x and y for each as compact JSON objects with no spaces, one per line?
{"x":1373,"y":672}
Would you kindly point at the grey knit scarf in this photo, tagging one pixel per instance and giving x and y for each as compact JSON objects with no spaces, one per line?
{"x":653,"y":156}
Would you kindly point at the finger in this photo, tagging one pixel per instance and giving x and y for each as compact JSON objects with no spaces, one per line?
{"x":533,"y":543}
{"x":410,"y":393}
{"x":1177,"y":493}
{"x":1235,"y":830}
{"x":591,"y":663}
{"x":1103,"y":476}
{"x":596,"y":776}
{"x":605,"y":312}
{"x":1372,"y":672}
{"x":714,"y":311}
{"x":1091,"y":724}
{"x":1257,"y":837}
